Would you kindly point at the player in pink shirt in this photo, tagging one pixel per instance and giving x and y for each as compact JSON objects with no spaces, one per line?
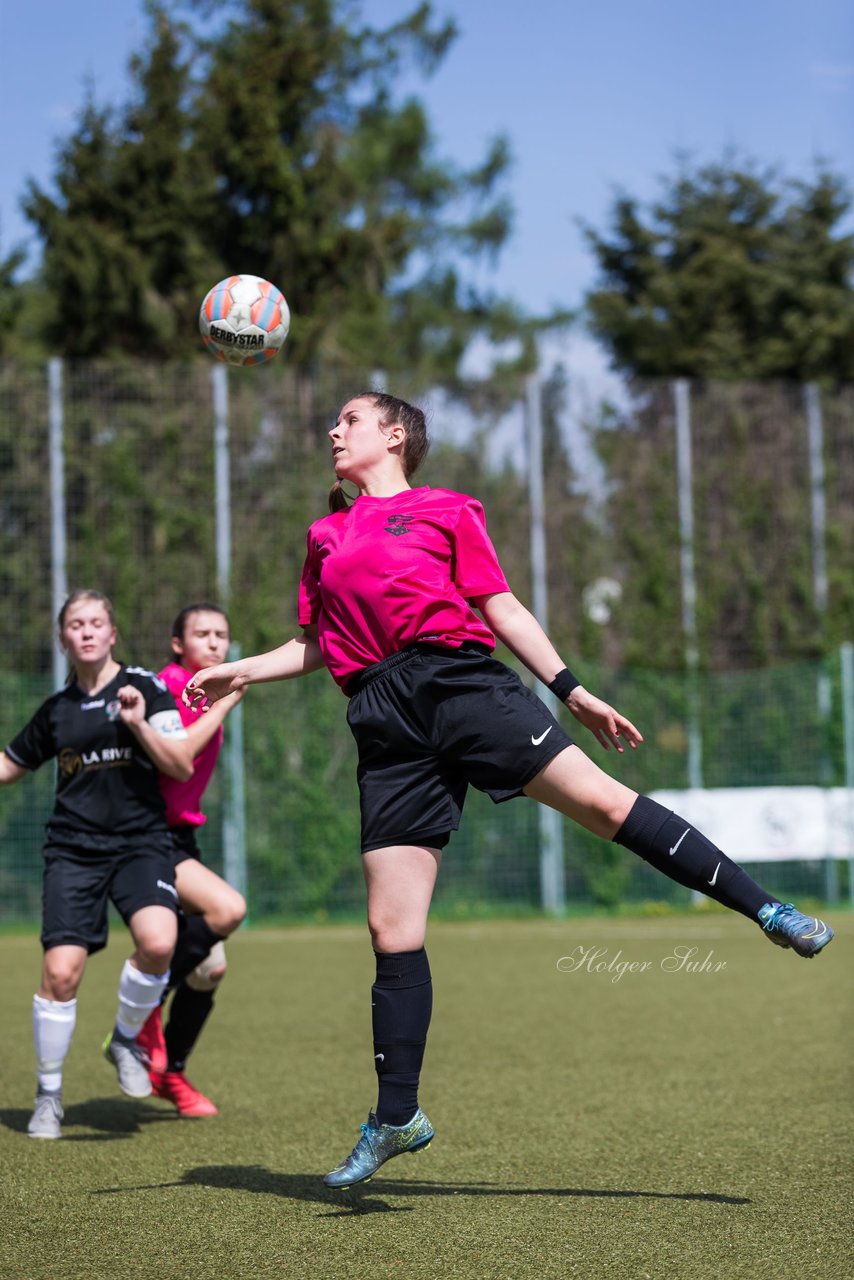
{"x":211,"y":908}
{"x":401,"y":598}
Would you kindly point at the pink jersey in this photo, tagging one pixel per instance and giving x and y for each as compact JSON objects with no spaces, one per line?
{"x":184,"y":799}
{"x":390,"y":571}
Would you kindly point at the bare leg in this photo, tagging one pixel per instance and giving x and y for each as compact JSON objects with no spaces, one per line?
{"x":578,"y":788}
{"x":62,"y":972}
{"x":202,"y":891}
{"x":400,"y":881}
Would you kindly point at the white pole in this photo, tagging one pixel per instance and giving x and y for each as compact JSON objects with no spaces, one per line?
{"x":58,"y":535}
{"x":234,"y":807}
{"x":684,"y":470}
{"x":818,"y":503}
{"x":234,"y":863}
{"x":685,"y":492}
{"x":552,"y":878}
{"x":818,"y":513}
{"x":222,"y":482}
{"x":846,"y":657}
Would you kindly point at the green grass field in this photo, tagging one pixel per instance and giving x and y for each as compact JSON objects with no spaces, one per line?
{"x":662,"y":1125}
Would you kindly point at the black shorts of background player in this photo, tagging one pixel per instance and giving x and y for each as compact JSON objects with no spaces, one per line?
{"x":401,"y":598}
{"x":109,"y":729}
{"x":211,"y":909}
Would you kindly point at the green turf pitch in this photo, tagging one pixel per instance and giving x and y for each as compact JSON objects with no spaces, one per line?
{"x":664,"y":1123}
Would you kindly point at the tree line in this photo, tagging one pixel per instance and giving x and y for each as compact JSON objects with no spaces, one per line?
{"x":270,"y":136}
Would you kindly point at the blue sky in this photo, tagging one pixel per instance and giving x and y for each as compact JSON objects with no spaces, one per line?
{"x":593,"y":97}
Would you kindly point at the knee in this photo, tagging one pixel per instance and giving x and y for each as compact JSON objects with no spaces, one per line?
{"x":154,"y":954}
{"x":393,"y":935}
{"x":60,"y":981}
{"x":237,"y":911}
{"x":206,"y":977}
{"x":621,"y":808}
{"x":209,"y":973}
{"x":615,"y":805}
{"x":228,"y":914}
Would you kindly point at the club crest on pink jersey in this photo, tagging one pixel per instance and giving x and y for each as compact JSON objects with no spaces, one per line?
{"x":397,"y":525}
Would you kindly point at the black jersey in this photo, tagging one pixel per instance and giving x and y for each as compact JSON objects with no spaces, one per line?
{"x":106,"y":786}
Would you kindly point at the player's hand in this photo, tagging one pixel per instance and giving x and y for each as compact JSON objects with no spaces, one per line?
{"x":133,"y":704}
{"x":607,"y":725}
{"x":208,"y":686}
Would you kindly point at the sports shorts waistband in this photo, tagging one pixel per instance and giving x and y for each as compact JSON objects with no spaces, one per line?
{"x":363,"y":678}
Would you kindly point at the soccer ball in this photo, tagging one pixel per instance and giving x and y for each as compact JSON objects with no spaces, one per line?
{"x":244,"y":320}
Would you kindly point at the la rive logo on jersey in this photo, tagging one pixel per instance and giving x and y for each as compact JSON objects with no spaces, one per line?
{"x":396,"y":525}
{"x":71,"y":762}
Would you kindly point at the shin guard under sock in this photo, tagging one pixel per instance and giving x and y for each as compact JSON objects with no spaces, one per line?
{"x":53,"y":1027}
{"x":402,"y":998}
{"x":188,"y":1013}
{"x":671,"y":845}
{"x":139,"y":994}
{"x":195,"y":939}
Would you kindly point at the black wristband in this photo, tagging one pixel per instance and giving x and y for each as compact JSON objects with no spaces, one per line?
{"x":564,"y":683}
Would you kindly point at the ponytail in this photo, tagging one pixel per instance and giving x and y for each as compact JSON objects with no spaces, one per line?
{"x":338,"y":500}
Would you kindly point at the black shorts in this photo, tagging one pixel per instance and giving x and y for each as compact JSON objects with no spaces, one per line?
{"x":77,"y":887}
{"x":428,"y":723}
{"x":184,"y":844}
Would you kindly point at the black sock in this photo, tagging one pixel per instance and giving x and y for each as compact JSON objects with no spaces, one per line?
{"x":670,"y":844}
{"x":195,"y":939}
{"x":187,"y":1015}
{"x":402,"y":998}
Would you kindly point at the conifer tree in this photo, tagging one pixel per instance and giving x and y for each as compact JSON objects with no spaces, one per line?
{"x":733,"y":273}
{"x":267,"y":138}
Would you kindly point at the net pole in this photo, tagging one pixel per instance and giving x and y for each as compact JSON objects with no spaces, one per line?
{"x":552,"y":876}
{"x":818,"y":524}
{"x":688,"y":579}
{"x":58,"y":528}
{"x":846,"y":662}
{"x":818,"y":501}
{"x":234,"y":806}
{"x":684,"y":480}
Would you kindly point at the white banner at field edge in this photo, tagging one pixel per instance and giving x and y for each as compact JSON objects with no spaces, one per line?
{"x":770,"y":824}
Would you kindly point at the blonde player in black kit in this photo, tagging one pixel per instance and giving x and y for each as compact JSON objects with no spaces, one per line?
{"x":110,"y":729}
{"x":401,"y":598}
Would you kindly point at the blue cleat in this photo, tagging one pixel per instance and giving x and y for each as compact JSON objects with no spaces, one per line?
{"x":378,"y":1143}
{"x":789,"y":928}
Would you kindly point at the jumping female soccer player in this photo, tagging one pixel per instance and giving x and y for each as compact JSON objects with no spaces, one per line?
{"x":211,"y":908}
{"x":387,"y":601}
{"x":110,"y":729}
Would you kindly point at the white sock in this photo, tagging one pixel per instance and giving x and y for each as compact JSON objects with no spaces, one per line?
{"x":139,"y":993}
{"x":53,"y":1027}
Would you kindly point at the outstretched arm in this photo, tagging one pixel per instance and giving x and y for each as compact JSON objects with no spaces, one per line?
{"x":297,"y":657}
{"x":519,"y":630}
